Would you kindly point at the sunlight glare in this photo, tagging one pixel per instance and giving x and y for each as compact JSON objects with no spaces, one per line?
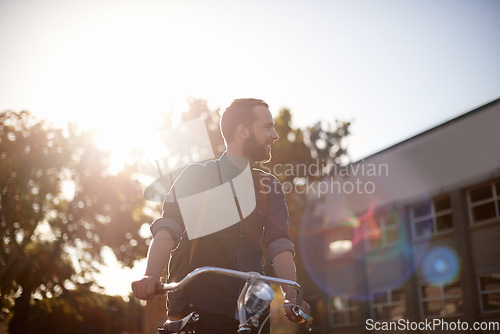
{"x":119,"y":79}
{"x":114,"y":277}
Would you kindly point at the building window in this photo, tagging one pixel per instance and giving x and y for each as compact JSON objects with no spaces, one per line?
{"x":441,"y":300}
{"x":388,"y":305}
{"x":484,"y":202}
{"x":339,"y":241}
{"x":489,"y":286}
{"x":343,"y":311}
{"x":381,"y":230}
{"x":431,"y":217}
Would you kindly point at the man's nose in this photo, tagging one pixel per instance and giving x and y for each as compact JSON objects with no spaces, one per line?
{"x":275,"y":135}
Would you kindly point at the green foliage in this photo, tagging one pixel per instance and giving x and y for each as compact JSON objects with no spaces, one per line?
{"x":326,"y":144}
{"x":57,"y":198}
{"x":290,"y":150}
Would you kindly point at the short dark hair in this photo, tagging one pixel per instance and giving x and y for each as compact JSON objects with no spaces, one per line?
{"x":239,"y":112}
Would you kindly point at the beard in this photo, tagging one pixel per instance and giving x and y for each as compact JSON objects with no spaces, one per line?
{"x":255,"y":151}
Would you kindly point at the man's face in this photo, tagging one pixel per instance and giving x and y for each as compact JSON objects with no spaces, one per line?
{"x":257,"y":147}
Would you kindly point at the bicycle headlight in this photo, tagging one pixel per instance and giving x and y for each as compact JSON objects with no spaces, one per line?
{"x":258,"y":297}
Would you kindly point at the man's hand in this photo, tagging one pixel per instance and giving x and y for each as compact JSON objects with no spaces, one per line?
{"x":147,"y":287}
{"x":284,"y":267}
{"x":289,"y":313}
{"x":158,"y":254}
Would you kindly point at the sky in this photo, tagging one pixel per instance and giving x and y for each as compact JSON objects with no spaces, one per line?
{"x":394,"y":68}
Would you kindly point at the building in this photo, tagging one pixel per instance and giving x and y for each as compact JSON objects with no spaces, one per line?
{"x":411,"y":233}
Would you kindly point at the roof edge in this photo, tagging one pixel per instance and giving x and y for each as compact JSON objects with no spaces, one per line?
{"x":455,"y":119}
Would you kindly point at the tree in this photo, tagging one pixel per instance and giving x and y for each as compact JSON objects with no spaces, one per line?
{"x":59,"y":207}
{"x":327,"y":144}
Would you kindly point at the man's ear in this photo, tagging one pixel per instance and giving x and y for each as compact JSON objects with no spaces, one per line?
{"x":242,"y":131}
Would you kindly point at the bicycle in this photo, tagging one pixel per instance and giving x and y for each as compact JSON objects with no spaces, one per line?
{"x":254,"y":298}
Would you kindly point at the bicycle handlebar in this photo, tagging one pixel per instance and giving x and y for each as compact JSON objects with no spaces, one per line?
{"x":166,"y":287}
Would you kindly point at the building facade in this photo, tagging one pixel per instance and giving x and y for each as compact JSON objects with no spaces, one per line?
{"x":411,"y":235}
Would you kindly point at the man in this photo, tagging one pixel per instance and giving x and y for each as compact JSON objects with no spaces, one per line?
{"x":248,"y":130}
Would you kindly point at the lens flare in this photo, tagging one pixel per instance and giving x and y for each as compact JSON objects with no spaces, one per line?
{"x":344,"y":253}
{"x":441,"y":264}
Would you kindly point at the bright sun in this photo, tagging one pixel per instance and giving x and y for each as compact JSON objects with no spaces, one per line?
{"x":98,"y":86}
{"x":120,"y":79}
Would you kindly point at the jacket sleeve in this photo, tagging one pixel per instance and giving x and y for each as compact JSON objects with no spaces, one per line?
{"x":171,"y":218}
{"x":276,"y":237}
